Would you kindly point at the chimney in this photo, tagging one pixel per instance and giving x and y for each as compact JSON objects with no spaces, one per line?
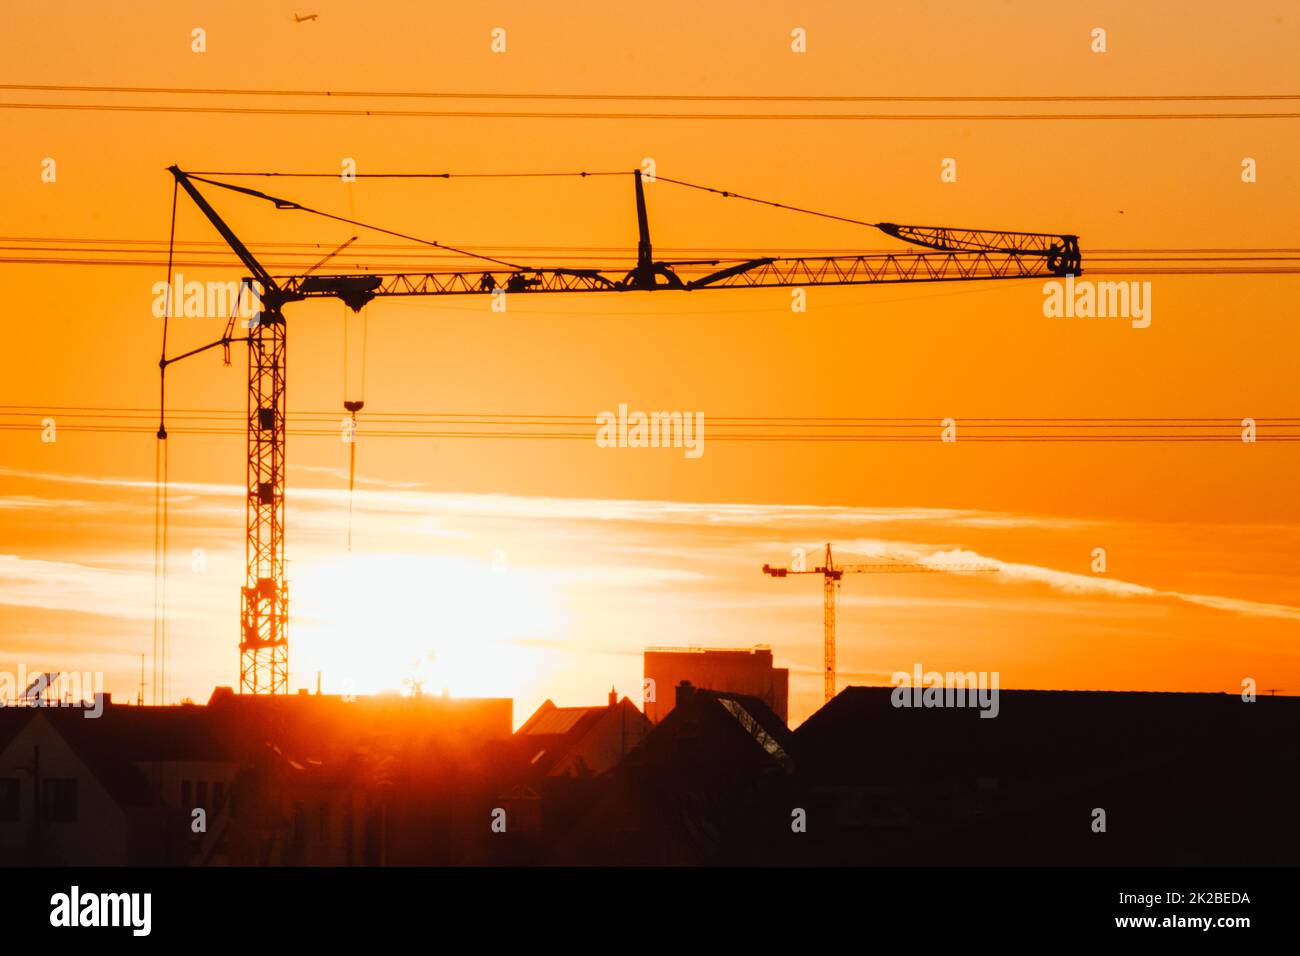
{"x":684,"y":692}
{"x":613,"y":697}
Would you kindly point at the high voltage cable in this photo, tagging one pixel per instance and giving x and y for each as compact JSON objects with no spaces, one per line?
{"x":511,"y":417}
{"x":370,"y":259}
{"x":91,"y":411}
{"x":623,"y":248}
{"x":667,"y":97}
{"x":716,"y":255}
{"x":589,"y":436}
{"x":564,"y":115}
{"x":386,"y":259}
{"x":525,"y":426}
{"x":419,"y":268}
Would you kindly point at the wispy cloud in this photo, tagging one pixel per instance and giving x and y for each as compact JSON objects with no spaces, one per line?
{"x":407,"y":497}
{"x":66,"y":586}
{"x":1072,"y":583}
{"x":678,"y":547}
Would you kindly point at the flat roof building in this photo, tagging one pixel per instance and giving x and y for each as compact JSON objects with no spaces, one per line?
{"x":732,"y":671}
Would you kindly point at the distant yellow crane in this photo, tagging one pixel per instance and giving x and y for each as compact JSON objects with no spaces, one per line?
{"x":831,"y":576}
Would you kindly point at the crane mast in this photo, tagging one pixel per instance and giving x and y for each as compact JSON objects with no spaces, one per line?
{"x":954,"y":255}
{"x":264,"y":598}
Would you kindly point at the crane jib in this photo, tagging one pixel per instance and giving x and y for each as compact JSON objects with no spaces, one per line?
{"x":953,"y":255}
{"x":356,"y":290}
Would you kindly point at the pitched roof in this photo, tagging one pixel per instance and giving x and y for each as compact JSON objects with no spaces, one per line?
{"x":115,"y":743}
{"x":558,"y":721}
{"x":737,"y":717}
{"x":552,"y":733}
{"x":861,"y":734}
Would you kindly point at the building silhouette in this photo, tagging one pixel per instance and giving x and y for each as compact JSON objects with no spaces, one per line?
{"x":1057,"y":778}
{"x":749,"y":672}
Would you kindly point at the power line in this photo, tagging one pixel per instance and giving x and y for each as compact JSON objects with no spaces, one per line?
{"x":650,"y":97}
{"x":332,"y":414}
{"x":588,"y":436}
{"x":269,"y":244}
{"x":400,"y":260}
{"x":416,"y":268}
{"x":538,"y":426}
{"x":567,"y":115}
{"x":621,"y":255}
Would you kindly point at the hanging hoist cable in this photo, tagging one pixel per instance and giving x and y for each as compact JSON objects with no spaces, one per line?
{"x":352,"y":407}
{"x":349,"y":405}
{"x":160,"y":488}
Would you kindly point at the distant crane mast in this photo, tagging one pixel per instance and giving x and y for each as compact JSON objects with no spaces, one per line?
{"x":831,"y":575}
{"x":955,"y":255}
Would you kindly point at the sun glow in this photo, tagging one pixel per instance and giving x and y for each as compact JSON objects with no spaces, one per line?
{"x":409,"y":622}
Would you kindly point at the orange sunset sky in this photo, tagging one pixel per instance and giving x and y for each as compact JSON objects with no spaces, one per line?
{"x":607,"y":551}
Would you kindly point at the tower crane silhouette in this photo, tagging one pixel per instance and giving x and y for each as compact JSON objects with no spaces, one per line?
{"x":832,"y":573}
{"x":949,"y":255}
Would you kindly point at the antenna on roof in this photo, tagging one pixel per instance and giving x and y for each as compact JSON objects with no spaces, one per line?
{"x":34,"y":695}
